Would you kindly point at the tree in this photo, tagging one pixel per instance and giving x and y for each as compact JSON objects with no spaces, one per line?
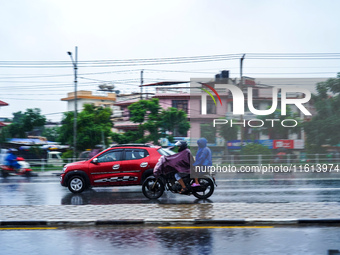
{"x":127,"y":137}
{"x":93,"y":127}
{"x":26,"y":122}
{"x":251,"y":151}
{"x":172,"y":120}
{"x":144,"y":110}
{"x":146,"y":114}
{"x":51,"y":134}
{"x":325,"y":125}
{"x":255,"y":149}
{"x":154,"y":122}
{"x":4,"y":134}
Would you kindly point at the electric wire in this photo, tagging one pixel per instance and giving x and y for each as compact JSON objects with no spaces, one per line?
{"x":170,"y":60}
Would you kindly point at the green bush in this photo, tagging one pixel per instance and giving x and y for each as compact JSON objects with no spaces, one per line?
{"x":66,"y":155}
{"x":250,"y":152}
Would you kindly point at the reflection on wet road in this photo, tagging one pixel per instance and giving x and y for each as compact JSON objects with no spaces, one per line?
{"x":47,"y":191}
{"x":156,"y":240}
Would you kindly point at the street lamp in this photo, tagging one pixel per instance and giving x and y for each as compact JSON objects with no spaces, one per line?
{"x":75,"y":67}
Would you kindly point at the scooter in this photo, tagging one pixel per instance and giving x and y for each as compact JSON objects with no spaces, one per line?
{"x":25,"y":169}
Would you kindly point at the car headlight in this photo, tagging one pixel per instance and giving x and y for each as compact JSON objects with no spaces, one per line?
{"x":64,"y":168}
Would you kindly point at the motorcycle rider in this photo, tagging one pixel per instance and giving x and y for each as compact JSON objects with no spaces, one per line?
{"x":180,"y":162}
{"x":183,"y":146}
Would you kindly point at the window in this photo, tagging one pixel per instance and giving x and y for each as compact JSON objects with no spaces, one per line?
{"x":131,"y":154}
{"x":112,"y":155}
{"x":211,"y":107}
{"x":180,"y":105}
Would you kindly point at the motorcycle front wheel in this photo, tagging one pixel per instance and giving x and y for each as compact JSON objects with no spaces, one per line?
{"x":152,"y":188}
{"x":205,"y":190}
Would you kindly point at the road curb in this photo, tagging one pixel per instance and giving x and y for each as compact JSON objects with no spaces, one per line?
{"x":319,"y":221}
{"x":226,"y":222}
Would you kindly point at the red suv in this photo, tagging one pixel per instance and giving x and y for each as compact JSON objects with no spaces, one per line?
{"x":119,"y":165}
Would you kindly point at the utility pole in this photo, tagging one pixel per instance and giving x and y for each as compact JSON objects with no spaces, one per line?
{"x":141,"y":83}
{"x":241,"y":87}
{"x":75,"y":67}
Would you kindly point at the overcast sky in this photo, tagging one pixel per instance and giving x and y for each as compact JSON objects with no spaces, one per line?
{"x":44,"y":30}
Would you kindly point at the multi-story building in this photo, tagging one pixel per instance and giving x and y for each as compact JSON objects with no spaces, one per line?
{"x":2,"y":103}
{"x":202,"y":109}
{"x":86,"y":97}
{"x":121,"y":120}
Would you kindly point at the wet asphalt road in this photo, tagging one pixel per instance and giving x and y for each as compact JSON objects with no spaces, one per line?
{"x":159,"y":240}
{"x":18,"y":190}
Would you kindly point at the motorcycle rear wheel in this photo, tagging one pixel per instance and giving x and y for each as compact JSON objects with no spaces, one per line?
{"x":152,"y":188}
{"x":205,"y":190}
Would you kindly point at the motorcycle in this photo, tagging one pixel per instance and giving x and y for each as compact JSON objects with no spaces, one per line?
{"x":154,"y":188}
{"x":24,"y":170}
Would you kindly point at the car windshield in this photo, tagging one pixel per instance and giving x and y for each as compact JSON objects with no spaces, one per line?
{"x":166,"y":152}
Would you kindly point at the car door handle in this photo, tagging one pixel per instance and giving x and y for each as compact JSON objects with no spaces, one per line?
{"x":115,"y":166}
{"x":144,"y":164}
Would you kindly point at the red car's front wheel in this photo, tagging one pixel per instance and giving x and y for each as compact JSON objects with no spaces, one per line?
{"x":76,"y":184}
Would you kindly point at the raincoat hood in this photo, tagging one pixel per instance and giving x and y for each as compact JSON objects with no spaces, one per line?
{"x":202,"y":142}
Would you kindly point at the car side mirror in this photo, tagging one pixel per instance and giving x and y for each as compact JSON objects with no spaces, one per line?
{"x":94,"y":161}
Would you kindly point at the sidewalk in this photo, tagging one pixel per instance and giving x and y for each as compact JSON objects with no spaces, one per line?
{"x":210,"y":213}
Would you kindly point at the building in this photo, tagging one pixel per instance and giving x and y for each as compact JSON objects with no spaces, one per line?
{"x":179,"y":100}
{"x":2,"y":124}
{"x":203,"y":108}
{"x":86,"y":97}
{"x":121,"y":114}
{"x":121,"y":119}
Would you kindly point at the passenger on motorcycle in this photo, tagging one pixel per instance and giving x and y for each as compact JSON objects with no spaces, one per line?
{"x":203,"y":157}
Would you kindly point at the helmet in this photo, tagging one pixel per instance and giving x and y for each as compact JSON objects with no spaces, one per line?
{"x":182,"y":145}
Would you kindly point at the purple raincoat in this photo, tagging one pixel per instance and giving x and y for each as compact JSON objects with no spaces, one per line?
{"x":179,"y":162}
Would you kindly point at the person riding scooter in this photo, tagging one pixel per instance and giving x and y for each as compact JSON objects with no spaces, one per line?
{"x":11,"y":159}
